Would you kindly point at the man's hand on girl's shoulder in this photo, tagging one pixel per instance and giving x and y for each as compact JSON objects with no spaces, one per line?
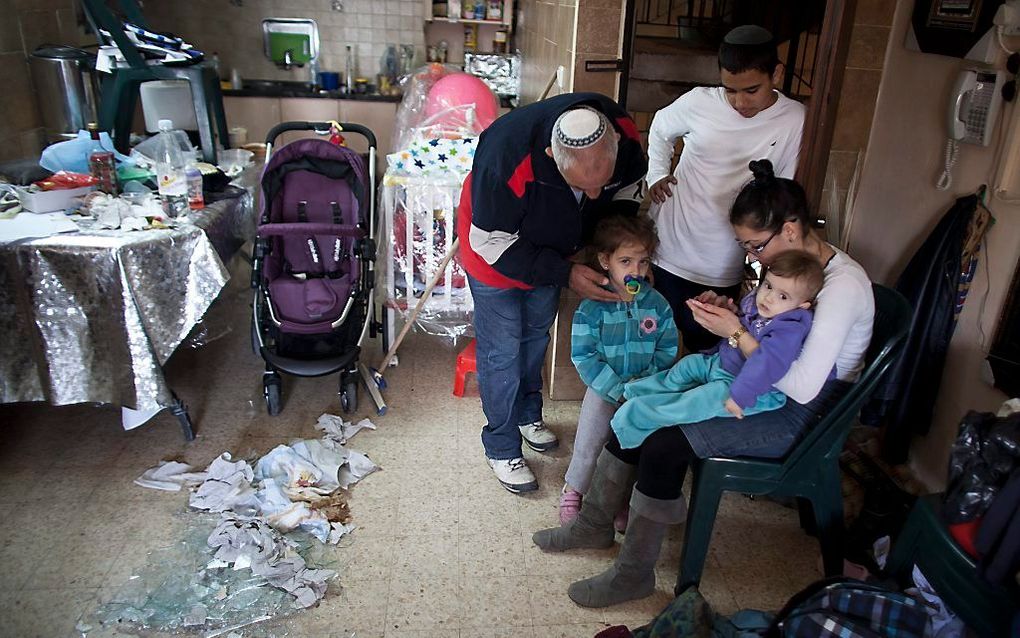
{"x":587,"y":283}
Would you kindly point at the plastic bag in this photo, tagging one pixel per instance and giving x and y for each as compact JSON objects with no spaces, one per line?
{"x":73,"y":155}
{"x":147,"y":152}
{"x":63,"y":180}
{"x":986,"y":452}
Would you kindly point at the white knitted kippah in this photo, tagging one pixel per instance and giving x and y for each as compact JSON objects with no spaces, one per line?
{"x":580,"y":128}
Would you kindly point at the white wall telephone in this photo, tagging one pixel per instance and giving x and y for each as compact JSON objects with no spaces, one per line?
{"x":973,"y":108}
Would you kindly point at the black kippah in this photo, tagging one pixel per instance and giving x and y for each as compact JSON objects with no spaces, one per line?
{"x":748,"y":34}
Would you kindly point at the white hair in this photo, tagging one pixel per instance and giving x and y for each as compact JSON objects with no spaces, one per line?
{"x":567,"y":157}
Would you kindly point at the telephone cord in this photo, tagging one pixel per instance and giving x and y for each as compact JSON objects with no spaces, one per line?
{"x":946,"y":179}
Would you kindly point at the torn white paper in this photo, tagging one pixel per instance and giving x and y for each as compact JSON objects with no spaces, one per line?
{"x":228,"y":487}
{"x":336,"y":429}
{"x":170,"y":476}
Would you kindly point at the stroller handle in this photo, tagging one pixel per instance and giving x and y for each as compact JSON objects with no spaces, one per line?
{"x":320,"y":127}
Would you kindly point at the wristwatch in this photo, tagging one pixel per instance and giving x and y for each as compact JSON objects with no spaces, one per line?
{"x":734,"y":339}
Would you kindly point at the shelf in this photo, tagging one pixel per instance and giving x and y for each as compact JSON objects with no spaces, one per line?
{"x":498,"y":23}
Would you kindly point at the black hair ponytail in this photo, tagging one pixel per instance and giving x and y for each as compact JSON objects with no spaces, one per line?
{"x":767,"y":202}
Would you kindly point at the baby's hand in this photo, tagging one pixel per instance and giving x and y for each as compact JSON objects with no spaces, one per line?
{"x":733,"y":408}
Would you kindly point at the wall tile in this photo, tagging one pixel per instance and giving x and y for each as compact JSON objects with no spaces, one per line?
{"x":875,"y":12}
{"x":39,"y":27}
{"x":20,"y":112}
{"x":867,"y":47}
{"x":598,"y":32}
{"x":10,"y":35}
{"x":856,"y":109}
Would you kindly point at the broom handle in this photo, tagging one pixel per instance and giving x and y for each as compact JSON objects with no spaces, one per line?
{"x":454,"y":247}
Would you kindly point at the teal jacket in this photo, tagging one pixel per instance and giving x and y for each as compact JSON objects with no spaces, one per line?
{"x":614,"y":342}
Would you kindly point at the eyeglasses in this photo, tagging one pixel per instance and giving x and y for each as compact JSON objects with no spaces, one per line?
{"x":760,"y":248}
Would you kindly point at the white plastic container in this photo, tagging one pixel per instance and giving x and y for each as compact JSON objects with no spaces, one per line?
{"x":51,"y":201}
{"x":168,"y":100}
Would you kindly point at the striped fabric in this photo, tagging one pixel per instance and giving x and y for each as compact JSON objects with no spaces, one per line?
{"x":614,"y":342}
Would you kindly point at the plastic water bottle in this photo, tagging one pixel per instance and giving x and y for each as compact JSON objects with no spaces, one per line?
{"x":170,"y":175}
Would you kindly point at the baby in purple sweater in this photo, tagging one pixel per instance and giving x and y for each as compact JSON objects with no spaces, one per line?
{"x":737,"y":376}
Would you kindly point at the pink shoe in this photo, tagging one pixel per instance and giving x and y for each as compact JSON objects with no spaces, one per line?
{"x":621,"y":519}
{"x":570,"y":505}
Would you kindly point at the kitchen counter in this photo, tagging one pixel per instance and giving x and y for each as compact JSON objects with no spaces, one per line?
{"x":283,"y":88}
{"x":269,"y":88}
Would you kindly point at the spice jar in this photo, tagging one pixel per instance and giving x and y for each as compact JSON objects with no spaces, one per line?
{"x":499,"y":42}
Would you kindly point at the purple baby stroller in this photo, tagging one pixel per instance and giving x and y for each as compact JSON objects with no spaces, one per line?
{"x":312,"y":265}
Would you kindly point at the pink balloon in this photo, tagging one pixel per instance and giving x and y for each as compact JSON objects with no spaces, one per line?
{"x":461,"y":89}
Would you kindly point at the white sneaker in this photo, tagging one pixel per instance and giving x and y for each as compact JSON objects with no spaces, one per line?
{"x":514,"y":475}
{"x":538,"y":437}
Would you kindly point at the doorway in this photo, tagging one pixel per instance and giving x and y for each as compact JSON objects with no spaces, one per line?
{"x":670,"y":47}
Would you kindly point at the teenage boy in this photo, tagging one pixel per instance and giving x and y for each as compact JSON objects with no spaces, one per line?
{"x":723,"y":128}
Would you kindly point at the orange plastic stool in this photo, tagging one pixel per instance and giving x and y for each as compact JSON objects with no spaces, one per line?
{"x":465,"y":363}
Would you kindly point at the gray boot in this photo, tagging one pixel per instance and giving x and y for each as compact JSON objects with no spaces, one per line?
{"x":632,"y":576}
{"x":593,"y":527}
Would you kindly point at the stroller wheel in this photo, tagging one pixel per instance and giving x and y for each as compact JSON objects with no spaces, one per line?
{"x":348,"y":396}
{"x":272,"y":387}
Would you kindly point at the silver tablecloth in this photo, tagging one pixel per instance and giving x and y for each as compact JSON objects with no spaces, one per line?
{"x":92,"y":316}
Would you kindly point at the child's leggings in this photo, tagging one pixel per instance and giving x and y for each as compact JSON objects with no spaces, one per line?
{"x":592,"y":434}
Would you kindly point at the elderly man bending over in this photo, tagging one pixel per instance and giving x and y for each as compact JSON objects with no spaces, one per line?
{"x":543,"y":175}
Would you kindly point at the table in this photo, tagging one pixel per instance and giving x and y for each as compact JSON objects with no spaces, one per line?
{"x":92,"y":316}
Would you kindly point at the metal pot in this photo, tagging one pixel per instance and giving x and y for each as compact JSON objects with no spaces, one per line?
{"x":65,"y":83}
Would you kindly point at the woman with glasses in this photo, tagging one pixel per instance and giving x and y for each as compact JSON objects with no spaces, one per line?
{"x":770,"y":216}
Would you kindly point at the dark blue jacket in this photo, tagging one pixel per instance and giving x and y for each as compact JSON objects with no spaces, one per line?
{"x":516,"y":199}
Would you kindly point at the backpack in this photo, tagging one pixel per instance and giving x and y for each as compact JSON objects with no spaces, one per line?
{"x":848,"y":608}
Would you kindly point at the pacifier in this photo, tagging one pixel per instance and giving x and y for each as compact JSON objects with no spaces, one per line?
{"x":632,"y":284}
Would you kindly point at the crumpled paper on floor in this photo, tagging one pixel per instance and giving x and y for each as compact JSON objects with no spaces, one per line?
{"x":227,"y":487}
{"x":292,"y":487}
{"x":336,"y":429}
{"x":251,"y":543}
{"x":170,"y":476}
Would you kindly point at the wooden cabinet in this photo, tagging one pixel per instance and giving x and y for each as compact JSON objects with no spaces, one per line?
{"x":378,"y":116}
{"x":256,"y":114}
{"x":259,"y":114}
{"x":307,"y":109}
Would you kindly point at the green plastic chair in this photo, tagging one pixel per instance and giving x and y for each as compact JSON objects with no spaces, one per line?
{"x":926,"y":542}
{"x":120,"y":89}
{"x":810,"y":472}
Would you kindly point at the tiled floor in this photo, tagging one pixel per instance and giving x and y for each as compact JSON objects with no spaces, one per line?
{"x":440,"y":550}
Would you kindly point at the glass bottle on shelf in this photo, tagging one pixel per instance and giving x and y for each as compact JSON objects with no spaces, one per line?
{"x":470,"y":37}
{"x":495,"y":10}
{"x":499,"y":42}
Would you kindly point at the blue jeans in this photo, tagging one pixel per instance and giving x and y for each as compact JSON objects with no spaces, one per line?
{"x":511,"y":335}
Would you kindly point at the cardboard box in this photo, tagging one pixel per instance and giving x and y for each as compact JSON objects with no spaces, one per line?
{"x":51,"y":201}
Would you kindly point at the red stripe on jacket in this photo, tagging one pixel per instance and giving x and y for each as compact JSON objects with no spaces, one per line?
{"x":629,"y":128}
{"x":469,"y":259}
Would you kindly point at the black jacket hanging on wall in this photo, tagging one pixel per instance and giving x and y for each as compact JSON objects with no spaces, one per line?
{"x":906,"y":399}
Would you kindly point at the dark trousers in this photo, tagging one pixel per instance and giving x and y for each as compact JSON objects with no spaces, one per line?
{"x":677,"y":291}
{"x":662,"y":460}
